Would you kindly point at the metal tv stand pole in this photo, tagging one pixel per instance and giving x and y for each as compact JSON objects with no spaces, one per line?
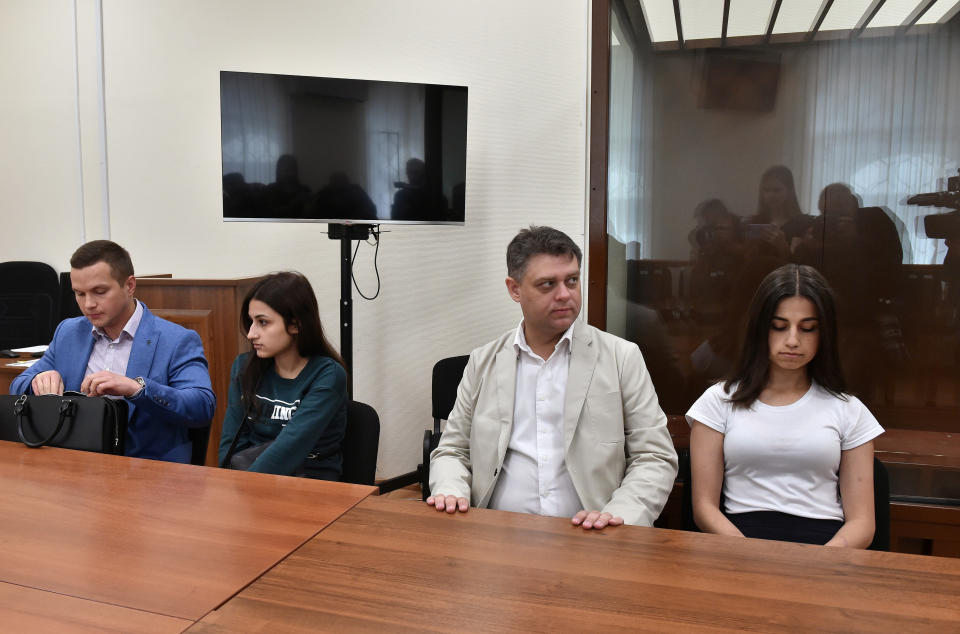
{"x":346,"y":234}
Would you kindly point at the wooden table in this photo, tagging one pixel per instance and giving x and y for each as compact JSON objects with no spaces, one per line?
{"x":169,"y":539}
{"x":389,"y":565}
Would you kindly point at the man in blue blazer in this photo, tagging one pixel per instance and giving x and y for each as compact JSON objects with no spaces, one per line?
{"x":120,"y":349}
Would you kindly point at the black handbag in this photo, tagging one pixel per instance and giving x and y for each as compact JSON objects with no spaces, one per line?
{"x":71,"y":421}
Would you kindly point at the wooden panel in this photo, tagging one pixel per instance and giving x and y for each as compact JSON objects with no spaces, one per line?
{"x":222,"y":298}
{"x":30,"y":610}
{"x":599,"y":145}
{"x":8,"y":374}
{"x":197,"y":320}
{"x":935,"y":529}
{"x":915,"y":446}
{"x":389,"y":565}
{"x":162,"y":537}
{"x":200,"y":322}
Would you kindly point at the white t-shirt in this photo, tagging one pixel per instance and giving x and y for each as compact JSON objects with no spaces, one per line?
{"x":785,"y":458}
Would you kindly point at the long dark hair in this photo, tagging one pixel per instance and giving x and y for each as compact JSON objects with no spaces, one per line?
{"x":783,"y":175}
{"x":290,"y":294}
{"x":752,"y":369}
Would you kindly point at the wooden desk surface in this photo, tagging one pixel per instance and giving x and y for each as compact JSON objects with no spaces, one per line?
{"x":173,"y":539}
{"x":391,"y":565}
{"x":35,"y":611}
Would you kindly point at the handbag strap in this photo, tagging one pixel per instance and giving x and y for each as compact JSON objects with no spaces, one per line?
{"x":21,"y":408}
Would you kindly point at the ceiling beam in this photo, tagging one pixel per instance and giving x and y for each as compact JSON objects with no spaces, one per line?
{"x":867,"y":17}
{"x":824,"y":9}
{"x":676,"y":16}
{"x":726,"y":19}
{"x":916,"y":15}
{"x":773,"y":21}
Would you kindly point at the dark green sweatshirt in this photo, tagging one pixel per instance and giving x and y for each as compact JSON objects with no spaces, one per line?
{"x":304,"y":414}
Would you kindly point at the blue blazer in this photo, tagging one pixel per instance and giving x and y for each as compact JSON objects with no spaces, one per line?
{"x":169,"y":357}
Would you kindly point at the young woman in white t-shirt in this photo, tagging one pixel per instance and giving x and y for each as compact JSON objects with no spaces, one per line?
{"x":791,"y":453}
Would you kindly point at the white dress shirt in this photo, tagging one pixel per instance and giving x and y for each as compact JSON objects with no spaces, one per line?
{"x":534,"y":477}
{"x":113,"y":355}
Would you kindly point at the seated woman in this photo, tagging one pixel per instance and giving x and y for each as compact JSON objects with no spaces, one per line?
{"x":791,"y":453}
{"x":290,"y":391}
{"x":779,"y":222}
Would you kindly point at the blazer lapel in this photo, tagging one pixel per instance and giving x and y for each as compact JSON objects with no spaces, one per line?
{"x":144,"y":346}
{"x":506,"y":373}
{"x":77,"y":368}
{"x":583,"y":361}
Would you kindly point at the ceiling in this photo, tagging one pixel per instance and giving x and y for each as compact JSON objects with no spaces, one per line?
{"x":675,"y":24}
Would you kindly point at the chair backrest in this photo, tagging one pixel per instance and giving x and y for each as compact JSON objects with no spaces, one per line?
{"x":29,"y":277}
{"x":200,"y":438}
{"x":881,"y":507}
{"x":68,"y":303}
{"x":30,"y":306}
{"x":446,"y":378}
{"x":26,"y":319}
{"x":361,"y":443}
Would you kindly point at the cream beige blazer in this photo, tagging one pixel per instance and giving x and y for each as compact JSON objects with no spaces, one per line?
{"x":616,"y":445}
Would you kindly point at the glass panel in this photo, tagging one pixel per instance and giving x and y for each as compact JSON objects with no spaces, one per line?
{"x":727,"y":163}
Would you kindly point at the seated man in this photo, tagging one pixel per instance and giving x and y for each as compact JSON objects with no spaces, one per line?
{"x":555,"y":417}
{"x":120,"y":349}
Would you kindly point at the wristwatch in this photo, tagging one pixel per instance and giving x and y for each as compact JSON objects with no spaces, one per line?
{"x":143,"y":386}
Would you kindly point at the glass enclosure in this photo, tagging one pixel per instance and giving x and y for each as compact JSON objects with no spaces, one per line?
{"x":730,"y":157}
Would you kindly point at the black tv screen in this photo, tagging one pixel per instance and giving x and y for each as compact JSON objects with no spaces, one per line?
{"x":322,"y":149}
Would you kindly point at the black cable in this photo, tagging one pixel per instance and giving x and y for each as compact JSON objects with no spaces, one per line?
{"x":376,"y":234}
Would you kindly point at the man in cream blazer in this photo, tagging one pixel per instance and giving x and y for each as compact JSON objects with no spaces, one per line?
{"x":555,"y":417}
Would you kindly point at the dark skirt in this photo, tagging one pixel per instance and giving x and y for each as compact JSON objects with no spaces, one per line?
{"x":784,"y":527}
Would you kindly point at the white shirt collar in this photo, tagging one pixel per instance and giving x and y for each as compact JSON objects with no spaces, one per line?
{"x":520,"y":340}
{"x":130,"y":328}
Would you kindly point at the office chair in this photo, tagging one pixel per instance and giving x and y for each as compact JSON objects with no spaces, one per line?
{"x":446,"y":378}
{"x":881,"y":507}
{"x":881,"y":501}
{"x":68,"y":303}
{"x":361,"y":443}
{"x":29,"y":303}
{"x":200,"y":439}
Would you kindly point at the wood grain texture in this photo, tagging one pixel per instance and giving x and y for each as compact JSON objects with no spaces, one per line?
{"x":167,"y":538}
{"x":36,"y":611}
{"x":8,"y":374}
{"x":599,"y":149}
{"x":222,"y":298}
{"x":399,"y":566}
{"x":936,"y":528}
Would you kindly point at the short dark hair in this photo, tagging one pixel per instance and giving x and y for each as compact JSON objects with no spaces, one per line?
{"x":121,"y":266}
{"x":537,"y":241}
{"x":752,"y":369}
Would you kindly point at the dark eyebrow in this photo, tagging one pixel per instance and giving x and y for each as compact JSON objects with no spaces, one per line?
{"x":259,"y":316}
{"x":804,"y":319}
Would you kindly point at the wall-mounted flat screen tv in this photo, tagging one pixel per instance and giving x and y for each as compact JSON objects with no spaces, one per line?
{"x":323,"y":149}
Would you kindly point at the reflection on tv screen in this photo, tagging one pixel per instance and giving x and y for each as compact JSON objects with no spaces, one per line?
{"x":319,"y":149}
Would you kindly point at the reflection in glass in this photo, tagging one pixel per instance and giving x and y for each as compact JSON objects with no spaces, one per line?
{"x":725,"y":163}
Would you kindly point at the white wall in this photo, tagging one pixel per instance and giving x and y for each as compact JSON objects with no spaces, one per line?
{"x":39,"y":141}
{"x":526,"y":68}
